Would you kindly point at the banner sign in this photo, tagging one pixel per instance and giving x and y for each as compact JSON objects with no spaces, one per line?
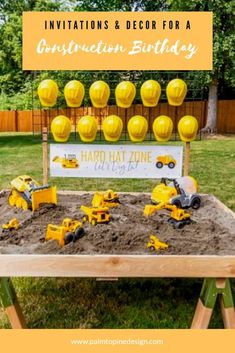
{"x":117,"y":41}
{"x":115,"y":161}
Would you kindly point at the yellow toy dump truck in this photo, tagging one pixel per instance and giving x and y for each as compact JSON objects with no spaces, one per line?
{"x":155,"y":244}
{"x":70,"y":230}
{"x":108,"y":198}
{"x":69,"y":161}
{"x":13,"y":224}
{"x":178,"y":217}
{"x":96,"y":215}
{"x":26,"y":193}
{"x":165,"y":160}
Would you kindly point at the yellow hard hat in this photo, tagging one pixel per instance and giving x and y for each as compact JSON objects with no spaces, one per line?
{"x":125,"y":94}
{"x":150,"y":92}
{"x":99,"y":94}
{"x":87,"y":128}
{"x":137,"y":128}
{"x":187,"y":128}
{"x":74,"y":93}
{"x":61,"y":128}
{"x":48,"y":92}
{"x":162,"y":128}
{"x":112,"y":128}
{"x":176,"y":91}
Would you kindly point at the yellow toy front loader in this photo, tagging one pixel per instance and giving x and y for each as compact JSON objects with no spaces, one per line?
{"x":26,"y":193}
{"x":69,"y":230}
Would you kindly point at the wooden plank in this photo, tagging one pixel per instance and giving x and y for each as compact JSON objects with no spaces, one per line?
{"x":228,"y":315}
{"x":107,"y":266}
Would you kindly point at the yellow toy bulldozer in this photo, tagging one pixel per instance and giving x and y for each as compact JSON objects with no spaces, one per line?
{"x":69,"y":161}
{"x":96,"y":215}
{"x":70,"y":230}
{"x":26,"y":193}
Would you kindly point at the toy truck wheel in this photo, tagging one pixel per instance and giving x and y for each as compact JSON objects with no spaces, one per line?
{"x":177,"y":203}
{"x":196,"y":203}
{"x":68,"y":238}
{"x":159,"y":165}
{"x":79,"y":232}
{"x":171,"y":165}
{"x":151,"y":248}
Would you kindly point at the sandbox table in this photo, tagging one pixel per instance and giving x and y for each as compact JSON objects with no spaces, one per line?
{"x":215,"y":269}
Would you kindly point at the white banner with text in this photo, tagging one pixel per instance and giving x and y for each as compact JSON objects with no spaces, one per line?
{"x":115,"y":161}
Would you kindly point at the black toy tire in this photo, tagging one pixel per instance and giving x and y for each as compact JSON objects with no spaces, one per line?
{"x":79,"y":233}
{"x":171,"y":165}
{"x":177,"y":203}
{"x":68,"y":238}
{"x":196,"y":203}
{"x":159,"y":165}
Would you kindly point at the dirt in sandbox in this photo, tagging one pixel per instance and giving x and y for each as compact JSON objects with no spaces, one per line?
{"x":212,"y":230}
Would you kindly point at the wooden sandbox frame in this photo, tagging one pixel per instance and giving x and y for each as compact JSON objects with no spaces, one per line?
{"x":216,"y":270}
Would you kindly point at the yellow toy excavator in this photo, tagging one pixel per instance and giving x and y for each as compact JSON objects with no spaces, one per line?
{"x":26,"y":193}
{"x":178,"y":217}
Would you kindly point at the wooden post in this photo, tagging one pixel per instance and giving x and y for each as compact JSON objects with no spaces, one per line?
{"x":45,"y":155}
{"x":186,"y":158}
{"x":211,"y":289}
{"x":10,"y":304}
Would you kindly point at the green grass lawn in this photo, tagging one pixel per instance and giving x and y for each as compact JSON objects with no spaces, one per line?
{"x":85,"y":303}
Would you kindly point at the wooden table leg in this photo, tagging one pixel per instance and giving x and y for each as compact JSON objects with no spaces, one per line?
{"x":211,"y":289}
{"x":10,"y":304}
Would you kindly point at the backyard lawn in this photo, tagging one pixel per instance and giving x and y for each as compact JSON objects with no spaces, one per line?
{"x":85,"y":303}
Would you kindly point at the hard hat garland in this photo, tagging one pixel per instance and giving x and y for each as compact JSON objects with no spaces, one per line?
{"x":112,"y":128}
{"x":74,"y":93}
{"x":187,"y":128}
{"x":137,"y":128}
{"x":99,"y":94}
{"x":125,"y":93}
{"x":162,"y":128}
{"x":87,"y":128}
{"x":61,"y":128}
{"x":48,"y":92}
{"x":176,"y":91}
{"x":150,"y":92}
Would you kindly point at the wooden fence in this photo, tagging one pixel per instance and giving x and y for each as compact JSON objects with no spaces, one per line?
{"x":28,"y":121}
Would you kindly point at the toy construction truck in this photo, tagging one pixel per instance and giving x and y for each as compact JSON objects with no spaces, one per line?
{"x":165,"y":160}
{"x":69,"y":231}
{"x":155,"y":244}
{"x":95,"y":215}
{"x":176,"y":194}
{"x":178,"y":217}
{"x":108,"y":198}
{"x":69,"y":161}
{"x":13,"y":224}
{"x":26,"y":193}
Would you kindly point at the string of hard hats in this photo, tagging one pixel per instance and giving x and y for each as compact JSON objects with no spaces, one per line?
{"x":112,"y":125}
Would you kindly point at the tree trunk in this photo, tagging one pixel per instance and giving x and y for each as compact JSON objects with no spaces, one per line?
{"x":211,"y":123}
